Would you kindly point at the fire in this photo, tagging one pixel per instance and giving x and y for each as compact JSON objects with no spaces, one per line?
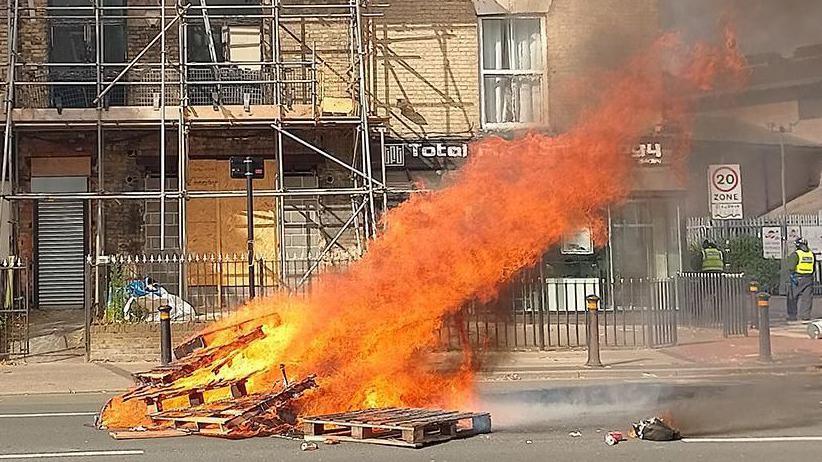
{"x":366,"y":331}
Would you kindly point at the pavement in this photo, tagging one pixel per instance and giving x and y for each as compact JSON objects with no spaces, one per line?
{"x":700,"y":354}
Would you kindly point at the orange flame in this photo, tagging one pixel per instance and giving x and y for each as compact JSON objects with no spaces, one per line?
{"x":365,"y":332}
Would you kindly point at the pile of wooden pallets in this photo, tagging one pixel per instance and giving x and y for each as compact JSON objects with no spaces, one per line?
{"x":240,"y":415}
{"x":176,"y":409}
{"x":407,"y":427}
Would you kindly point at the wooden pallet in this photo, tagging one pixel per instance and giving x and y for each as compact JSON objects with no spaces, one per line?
{"x":196,"y":359}
{"x":226,"y":418}
{"x":408,"y":427}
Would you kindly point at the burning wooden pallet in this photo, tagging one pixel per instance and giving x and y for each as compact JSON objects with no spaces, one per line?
{"x":409,"y":427}
{"x":240,"y":416}
{"x":196,"y":358}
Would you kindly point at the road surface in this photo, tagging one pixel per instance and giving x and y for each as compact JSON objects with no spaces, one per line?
{"x":531,"y":422}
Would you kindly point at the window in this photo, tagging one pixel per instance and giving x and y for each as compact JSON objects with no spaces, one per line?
{"x":73,"y":40}
{"x":512,"y":66}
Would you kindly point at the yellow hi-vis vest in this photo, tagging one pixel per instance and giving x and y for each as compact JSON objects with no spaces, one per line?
{"x":712,"y":260}
{"x":805,"y":262}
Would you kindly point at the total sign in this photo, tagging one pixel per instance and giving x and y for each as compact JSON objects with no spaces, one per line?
{"x":725,"y":183}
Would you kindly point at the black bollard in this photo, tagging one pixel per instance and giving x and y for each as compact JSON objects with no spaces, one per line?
{"x":762,"y":302}
{"x":165,"y":334}
{"x":753,"y":288}
{"x":592,"y":302}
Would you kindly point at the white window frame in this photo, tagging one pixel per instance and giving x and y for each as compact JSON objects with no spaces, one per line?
{"x":543,"y":73}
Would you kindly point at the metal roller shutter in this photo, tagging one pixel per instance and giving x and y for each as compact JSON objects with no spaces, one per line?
{"x":60,"y":238}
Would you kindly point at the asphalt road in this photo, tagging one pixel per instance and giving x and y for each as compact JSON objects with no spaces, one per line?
{"x":531,"y":422}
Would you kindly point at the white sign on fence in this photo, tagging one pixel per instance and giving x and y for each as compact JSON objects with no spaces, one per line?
{"x":568,"y":294}
{"x":772,"y":242}
{"x":578,"y":243}
{"x":794,"y":233}
{"x":813,"y":234}
{"x":725,"y":191}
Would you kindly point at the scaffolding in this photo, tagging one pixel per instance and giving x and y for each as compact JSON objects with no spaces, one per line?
{"x":283,"y":94}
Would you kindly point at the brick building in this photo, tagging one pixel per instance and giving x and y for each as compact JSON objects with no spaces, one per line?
{"x":122,"y":117}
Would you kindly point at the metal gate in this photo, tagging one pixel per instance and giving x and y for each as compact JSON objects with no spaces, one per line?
{"x":14,"y":308}
{"x":60,"y":254}
{"x":715,"y":301}
{"x":60,"y":244}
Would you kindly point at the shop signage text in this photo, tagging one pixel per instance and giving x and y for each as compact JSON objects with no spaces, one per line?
{"x":396,"y":153}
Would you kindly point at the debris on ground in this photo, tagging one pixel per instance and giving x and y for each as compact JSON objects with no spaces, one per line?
{"x":575,"y":434}
{"x":613,"y":438}
{"x":655,"y":429}
{"x":308,"y":446}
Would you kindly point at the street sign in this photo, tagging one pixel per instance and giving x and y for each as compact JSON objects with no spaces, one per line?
{"x":772,"y":242}
{"x":725,"y":191}
{"x":244,"y":166}
{"x":726,"y":211}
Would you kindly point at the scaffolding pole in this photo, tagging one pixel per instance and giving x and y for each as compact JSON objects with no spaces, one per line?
{"x":99,"y":229}
{"x":364,"y":131}
{"x":163,"y":127}
{"x":9,"y":102}
{"x":182,"y":147}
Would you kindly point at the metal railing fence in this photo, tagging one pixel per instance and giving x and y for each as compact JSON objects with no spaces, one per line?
{"x":14,"y":308}
{"x":198,"y":287}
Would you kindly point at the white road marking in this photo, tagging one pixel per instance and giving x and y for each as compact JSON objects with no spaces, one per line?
{"x":48,"y":455}
{"x":764,"y":439}
{"x":47,"y":414}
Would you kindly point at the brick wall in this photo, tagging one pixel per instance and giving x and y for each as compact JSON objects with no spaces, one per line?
{"x":141,"y":27}
{"x":32,"y":47}
{"x":427,"y":56}
{"x":135,"y":342}
{"x":587,"y":36}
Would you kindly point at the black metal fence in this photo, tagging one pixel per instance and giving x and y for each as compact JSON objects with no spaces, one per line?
{"x":533,"y":312}
{"x":197,"y":287}
{"x":715,"y":300}
{"x":14,"y":308}
{"x":544,"y":313}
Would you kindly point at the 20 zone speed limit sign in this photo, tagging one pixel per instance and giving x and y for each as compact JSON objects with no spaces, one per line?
{"x":726,"y":184}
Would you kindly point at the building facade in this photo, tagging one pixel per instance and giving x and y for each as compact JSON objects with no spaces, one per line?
{"x":121,"y":117}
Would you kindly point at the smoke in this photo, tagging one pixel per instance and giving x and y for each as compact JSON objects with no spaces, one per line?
{"x":366,"y":332}
{"x":764,"y":26}
{"x":575,"y":407}
{"x":782,"y":405}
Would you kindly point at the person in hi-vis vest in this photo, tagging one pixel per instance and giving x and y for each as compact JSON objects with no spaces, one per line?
{"x":713,"y":261}
{"x":802,"y":265}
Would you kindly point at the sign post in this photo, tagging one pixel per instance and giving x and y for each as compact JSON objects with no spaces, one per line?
{"x":250,"y":168}
{"x":725,"y":191}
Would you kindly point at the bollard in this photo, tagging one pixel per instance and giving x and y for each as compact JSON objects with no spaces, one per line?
{"x":762,"y":302}
{"x":165,"y":334}
{"x":753,"y":289}
{"x":592,"y":302}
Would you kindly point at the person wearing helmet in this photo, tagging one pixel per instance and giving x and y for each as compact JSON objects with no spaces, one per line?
{"x":713,"y":261}
{"x":802,"y":264}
